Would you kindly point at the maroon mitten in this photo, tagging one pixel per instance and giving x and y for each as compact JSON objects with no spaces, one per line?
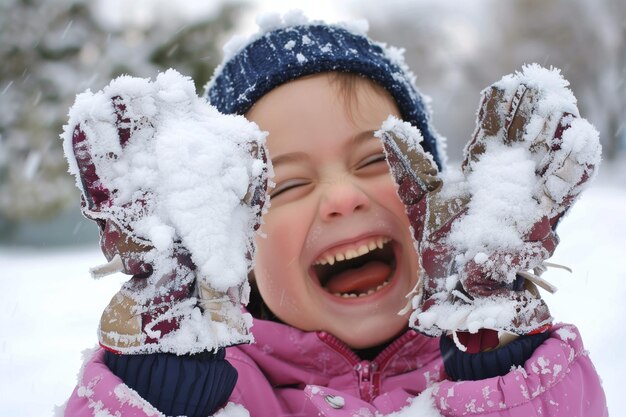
{"x":479,"y":237}
{"x":177,"y":190}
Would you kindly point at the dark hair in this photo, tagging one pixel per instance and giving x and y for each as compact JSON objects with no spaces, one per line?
{"x":347,"y":84}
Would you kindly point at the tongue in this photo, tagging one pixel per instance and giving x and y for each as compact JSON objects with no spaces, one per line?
{"x":361,"y":279}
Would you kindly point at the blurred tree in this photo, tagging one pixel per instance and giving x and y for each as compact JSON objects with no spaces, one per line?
{"x":440,"y":38}
{"x":456,"y":49}
{"x":53,"y":49}
{"x":584,"y":38}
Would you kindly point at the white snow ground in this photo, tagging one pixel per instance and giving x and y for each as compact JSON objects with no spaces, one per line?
{"x":50,"y":307}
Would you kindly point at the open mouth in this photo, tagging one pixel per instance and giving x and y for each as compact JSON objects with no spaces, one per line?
{"x":356,"y":271}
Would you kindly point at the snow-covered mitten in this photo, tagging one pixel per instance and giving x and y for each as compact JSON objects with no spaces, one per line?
{"x":177,"y":190}
{"x":480,"y":235}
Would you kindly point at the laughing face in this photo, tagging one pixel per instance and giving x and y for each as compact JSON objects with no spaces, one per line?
{"x":338,"y":255}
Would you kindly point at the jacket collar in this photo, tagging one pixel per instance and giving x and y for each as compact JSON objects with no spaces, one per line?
{"x":289,"y":356}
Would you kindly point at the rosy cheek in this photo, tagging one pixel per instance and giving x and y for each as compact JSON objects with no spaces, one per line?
{"x":276,"y":241}
{"x":386,"y":192}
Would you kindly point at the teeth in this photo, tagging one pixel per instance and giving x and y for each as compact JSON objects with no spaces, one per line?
{"x":353,"y":253}
{"x":364,"y":294}
{"x":346,"y":295}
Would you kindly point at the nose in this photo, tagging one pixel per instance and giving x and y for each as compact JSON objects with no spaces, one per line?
{"x":342,"y":199}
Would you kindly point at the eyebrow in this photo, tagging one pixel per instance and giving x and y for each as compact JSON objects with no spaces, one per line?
{"x":362,"y":137}
{"x":296,"y":157}
{"x":293,"y":157}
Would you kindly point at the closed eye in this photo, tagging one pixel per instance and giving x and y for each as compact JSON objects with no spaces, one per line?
{"x":288,"y":185}
{"x":371,"y":160}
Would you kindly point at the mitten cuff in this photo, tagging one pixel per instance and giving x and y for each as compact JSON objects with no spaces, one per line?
{"x":462,"y":366}
{"x":191,"y":385}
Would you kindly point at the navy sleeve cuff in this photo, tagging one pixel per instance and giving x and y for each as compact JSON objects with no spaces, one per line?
{"x":191,"y":385}
{"x":461,"y":366}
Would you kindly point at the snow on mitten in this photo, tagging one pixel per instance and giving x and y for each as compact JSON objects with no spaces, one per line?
{"x":177,"y":190}
{"x":480,"y":236}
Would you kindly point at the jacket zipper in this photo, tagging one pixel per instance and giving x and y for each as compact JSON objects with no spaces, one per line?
{"x":367,"y":372}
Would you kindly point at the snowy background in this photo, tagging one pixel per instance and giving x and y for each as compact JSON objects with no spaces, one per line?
{"x":52,"y":49}
{"x":50,"y":307}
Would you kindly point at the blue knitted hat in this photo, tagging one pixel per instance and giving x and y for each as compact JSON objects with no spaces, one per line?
{"x":289,"y":51}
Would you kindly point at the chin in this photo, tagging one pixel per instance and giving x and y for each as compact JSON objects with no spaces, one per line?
{"x":367,"y":334}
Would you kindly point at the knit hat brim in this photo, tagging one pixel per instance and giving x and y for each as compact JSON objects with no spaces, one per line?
{"x":291,"y":52}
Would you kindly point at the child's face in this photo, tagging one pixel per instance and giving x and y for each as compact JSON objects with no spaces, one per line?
{"x":334,"y":199}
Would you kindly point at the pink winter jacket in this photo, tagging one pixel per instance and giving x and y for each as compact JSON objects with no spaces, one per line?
{"x":288,"y":372}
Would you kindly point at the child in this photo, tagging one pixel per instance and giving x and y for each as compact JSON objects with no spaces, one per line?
{"x":337,"y":256}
